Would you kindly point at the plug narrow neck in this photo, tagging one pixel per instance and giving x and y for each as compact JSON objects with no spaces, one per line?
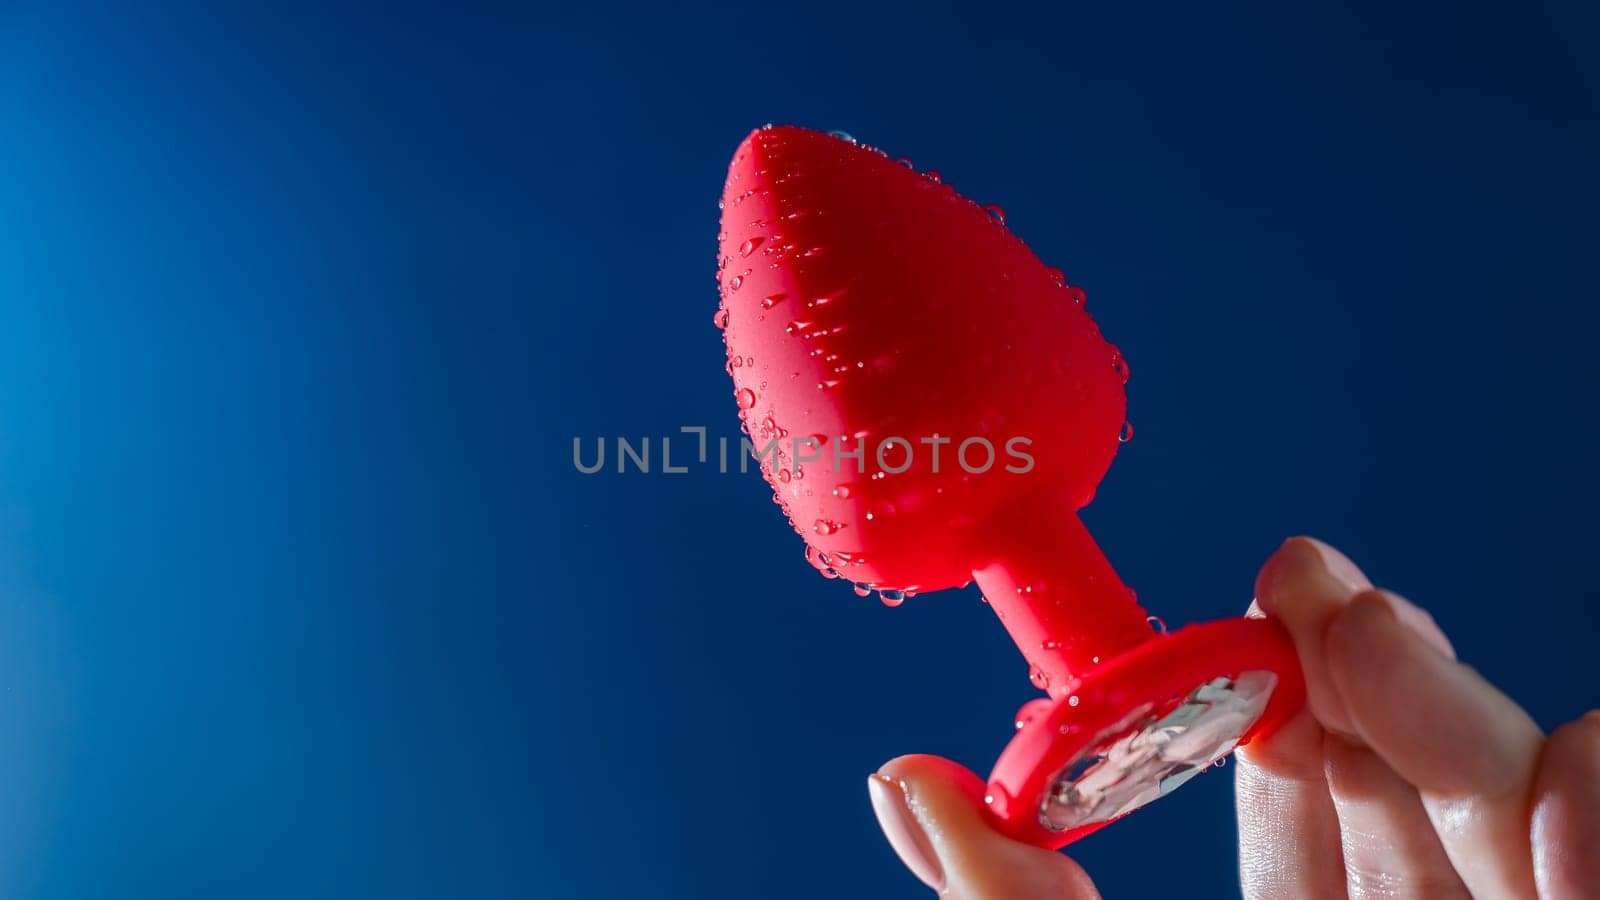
{"x":1059,"y":598}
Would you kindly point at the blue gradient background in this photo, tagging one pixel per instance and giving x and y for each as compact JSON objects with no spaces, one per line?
{"x":300,"y":594}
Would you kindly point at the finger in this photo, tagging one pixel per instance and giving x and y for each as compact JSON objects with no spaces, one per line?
{"x":1566,"y":812}
{"x":931,"y":810}
{"x":1389,"y":846}
{"x":1288,"y":829}
{"x":1385,"y":838}
{"x":1303,"y":586}
{"x":1468,"y":749}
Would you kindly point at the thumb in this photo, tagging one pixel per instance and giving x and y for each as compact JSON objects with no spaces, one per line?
{"x":931,"y":810}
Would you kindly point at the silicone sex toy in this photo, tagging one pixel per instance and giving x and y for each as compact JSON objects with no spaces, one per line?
{"x":932,"y":405}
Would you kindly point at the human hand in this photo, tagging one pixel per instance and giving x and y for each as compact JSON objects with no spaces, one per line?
{"x":1406,"y":775}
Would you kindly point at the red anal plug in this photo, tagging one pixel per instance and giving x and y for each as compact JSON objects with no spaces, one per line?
{"x":932,"y":405}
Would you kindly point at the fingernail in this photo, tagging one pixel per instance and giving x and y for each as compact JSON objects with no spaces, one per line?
{"x":1420,"y":623}
{"x":1368,"y":616}
{"x":906,"y":835}
{"x":1377,"y":612}
{"x":1338,"y":565}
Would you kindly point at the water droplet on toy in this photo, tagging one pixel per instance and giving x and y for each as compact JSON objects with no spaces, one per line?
{"x":1032,"y":711}
{"x":1126,"y":434}
{"x":720,"y":319}
{"x":996,"y":213}
{"x":825,"y":527}
{"x":1073,"y":700}
{"x":842,"y":492}
{"x":843,"y":136}
{"x":1121,"y":367}
{"x":933,"y":176}
{"x":770,"y":302}
{"x":1057,"y":276}
{"x":1157,"y":624}
{"x":1039,"y":677}
{"x":892,"y":597}
{"x":734,"y":282}
{"x":862,"y":590}
{"x":1221,"y":761}
{"x":746,"y":398}
{"x":749,"y":247}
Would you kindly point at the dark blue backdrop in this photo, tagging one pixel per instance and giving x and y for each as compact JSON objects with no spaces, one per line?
{"x":300,"y":594}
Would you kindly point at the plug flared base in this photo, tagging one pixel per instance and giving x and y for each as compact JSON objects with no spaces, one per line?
{"x":1142,"y":724}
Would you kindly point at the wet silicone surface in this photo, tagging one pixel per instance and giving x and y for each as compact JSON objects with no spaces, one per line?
{"x":931,"y":405}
